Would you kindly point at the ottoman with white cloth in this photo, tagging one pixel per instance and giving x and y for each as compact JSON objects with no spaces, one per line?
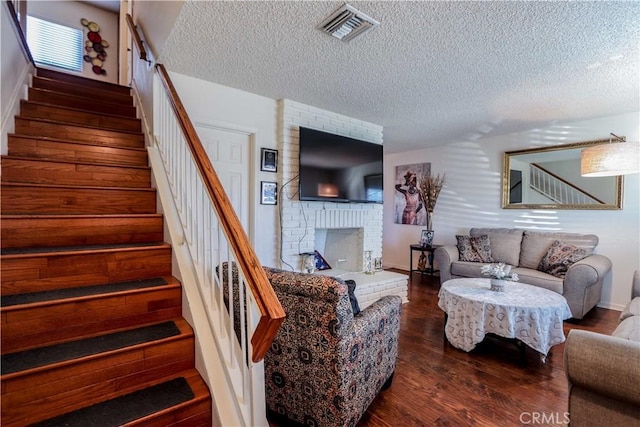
{"x":530,"y":314}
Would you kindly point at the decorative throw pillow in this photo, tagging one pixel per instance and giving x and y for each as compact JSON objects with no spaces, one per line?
{"x":474,"y":249}
{"x":560,"y":257}
{"x":351,"y":284}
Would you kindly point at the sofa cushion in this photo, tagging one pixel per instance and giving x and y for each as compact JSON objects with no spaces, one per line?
{"x":466,"y":269}
{"x":525,"y":275}
{"x":474,"y":249}
{"x":628,"y":329}
{"x":536,"y":244}
{"x":631,"y":309}
{"x":540,"y":279}
{"x":505,"y":243}
{"x":560,"y":257}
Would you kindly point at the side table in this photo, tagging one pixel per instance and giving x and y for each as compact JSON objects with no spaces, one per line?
{"x":422,"y":249}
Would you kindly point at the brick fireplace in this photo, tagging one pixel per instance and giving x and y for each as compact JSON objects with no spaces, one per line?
{"x":340,"y":231}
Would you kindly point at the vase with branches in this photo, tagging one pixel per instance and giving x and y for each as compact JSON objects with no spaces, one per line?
{"x":430,"y":187}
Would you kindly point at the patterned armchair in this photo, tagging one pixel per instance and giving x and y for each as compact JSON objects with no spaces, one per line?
{"x":326,"y":365}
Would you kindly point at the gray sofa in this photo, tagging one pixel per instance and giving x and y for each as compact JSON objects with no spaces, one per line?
{"x":524,"y":250}
{"x":603,"y":371}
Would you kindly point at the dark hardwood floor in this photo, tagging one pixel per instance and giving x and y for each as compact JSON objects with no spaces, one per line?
{"x":436,"y":384}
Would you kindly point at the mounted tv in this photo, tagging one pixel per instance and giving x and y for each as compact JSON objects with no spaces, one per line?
{"x":336,"y":168}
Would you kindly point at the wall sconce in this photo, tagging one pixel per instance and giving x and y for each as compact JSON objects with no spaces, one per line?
{"x":615,"y":158}
{"x":327,"y":190}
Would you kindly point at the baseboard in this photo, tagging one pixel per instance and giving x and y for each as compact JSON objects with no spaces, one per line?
{"x":396,"y":266}
{"x":610,"y":306}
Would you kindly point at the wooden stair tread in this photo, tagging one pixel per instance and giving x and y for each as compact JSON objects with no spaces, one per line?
{"x":71,"y":114}
{"x":67,"y":141}
{"x":52,"y":199}
{"x":73,"y":162}
{"x":63,"y":172}
{"x":35,"y":360}
{"x":33,"y":299}
{"x":81,"y":81}
{"x":81,"y":216}
{"x":130,"y":407}
{"x":74,"y":132}
{"x":75,"y":124}
{"x":82,"y":90}
{"x":70,"y":100}
{"x":78,"y":250}
{"x":78,"y":110}
{"x":196,"y":412}
{"x":28,"y":230}
{"x":106,"y":306}
{"x":107,"y":151}
{"x":72,"y":187}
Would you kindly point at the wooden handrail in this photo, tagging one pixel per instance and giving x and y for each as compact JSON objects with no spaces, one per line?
{"x":16,"y":22}
{"x":136,"y":38}
{"x":567,"y":183}
{"x":271,"y":312}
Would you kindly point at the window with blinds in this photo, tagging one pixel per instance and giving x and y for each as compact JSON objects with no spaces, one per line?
{"x":54,"y":44}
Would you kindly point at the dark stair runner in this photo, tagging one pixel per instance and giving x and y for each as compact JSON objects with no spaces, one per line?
{"x":60,"y":294}
{"x":29,"y":359}
{"x":129,"y":407}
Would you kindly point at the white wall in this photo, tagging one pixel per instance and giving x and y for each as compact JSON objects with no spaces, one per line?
{"x":471,"y":197}
{"x":155,"y":20}
{"x":69,"y":13}
{"x":213,"y":104}
{"x":15,"y":69}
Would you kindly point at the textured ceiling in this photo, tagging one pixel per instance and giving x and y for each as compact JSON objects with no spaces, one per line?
{"x":432,"y":72}
{"x":108,"y":5}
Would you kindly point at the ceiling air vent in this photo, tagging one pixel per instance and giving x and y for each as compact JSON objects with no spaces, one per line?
{"x":347,"y":23}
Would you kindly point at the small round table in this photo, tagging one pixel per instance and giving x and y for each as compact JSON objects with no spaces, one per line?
{"x":529,"y":314}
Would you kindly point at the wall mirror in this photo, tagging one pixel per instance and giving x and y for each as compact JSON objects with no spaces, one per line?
{"x":549,"y":178}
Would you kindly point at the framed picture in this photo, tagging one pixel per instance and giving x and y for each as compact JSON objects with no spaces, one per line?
{"x":408,"y":204}
{"x":269,"y":160}
{"x":426,"y":238}
{"x":268,"y":193}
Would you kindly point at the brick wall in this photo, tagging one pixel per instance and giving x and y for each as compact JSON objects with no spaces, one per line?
{"x":300,"y":219}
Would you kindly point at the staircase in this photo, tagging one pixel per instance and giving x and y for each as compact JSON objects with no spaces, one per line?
{"x":92,"y":332}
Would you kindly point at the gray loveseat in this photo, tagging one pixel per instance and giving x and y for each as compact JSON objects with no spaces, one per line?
{"x":524,"y":250}
{"x":603,"y":371}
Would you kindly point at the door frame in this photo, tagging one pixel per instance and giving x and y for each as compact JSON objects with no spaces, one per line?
{"x":250,"y":132}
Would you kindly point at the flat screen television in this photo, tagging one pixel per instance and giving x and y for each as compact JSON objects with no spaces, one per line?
{"x":339,"y":169}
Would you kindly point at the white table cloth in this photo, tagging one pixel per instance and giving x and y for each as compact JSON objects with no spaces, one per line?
{"x":528,"y":313}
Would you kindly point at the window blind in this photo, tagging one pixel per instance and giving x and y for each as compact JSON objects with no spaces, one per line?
{"x":54,"y":44}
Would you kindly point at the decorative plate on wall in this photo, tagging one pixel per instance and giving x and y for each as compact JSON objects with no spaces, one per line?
{"x":95,"y":47}
{"x":94,"y":37}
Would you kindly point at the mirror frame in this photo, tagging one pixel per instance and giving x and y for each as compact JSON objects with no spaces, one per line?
{"x":506,"y":167}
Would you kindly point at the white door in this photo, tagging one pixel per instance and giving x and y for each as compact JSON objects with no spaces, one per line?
{"x":229,"y":152}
